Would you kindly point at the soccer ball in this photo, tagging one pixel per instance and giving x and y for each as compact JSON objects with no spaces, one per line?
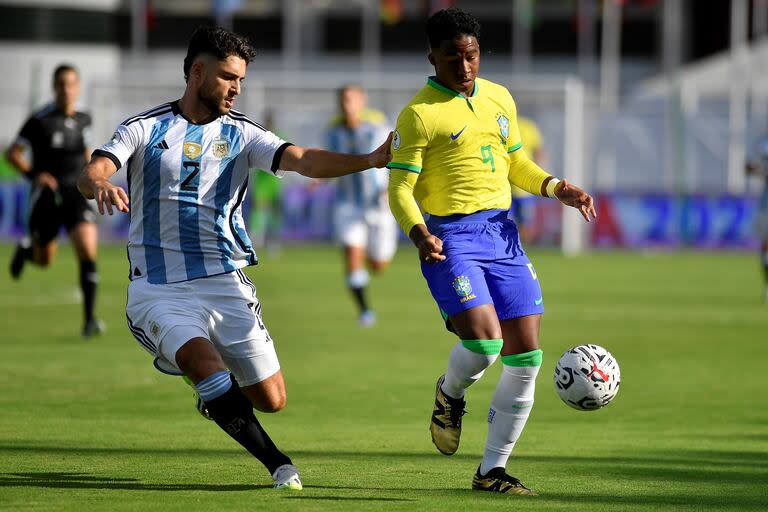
{"x":587,"y":377}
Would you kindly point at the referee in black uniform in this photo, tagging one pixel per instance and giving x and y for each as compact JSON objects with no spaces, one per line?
{"x":57,"y":139}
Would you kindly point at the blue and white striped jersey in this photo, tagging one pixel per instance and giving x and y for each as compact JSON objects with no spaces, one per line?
{"x":362,"y":189}
{"x":186,"y":184}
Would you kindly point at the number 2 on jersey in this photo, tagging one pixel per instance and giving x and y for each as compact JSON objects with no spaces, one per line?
{"x":488,"y":156}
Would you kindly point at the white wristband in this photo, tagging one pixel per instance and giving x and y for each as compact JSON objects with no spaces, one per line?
{"x":551,"y":187}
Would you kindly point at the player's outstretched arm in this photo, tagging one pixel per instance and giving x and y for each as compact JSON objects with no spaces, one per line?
{"x":94,"y":184}
{"x":319,"y":163}
{"x":571,"y":195}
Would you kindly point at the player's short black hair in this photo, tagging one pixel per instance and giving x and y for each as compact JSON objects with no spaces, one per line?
{"x":63,"y":68}
{"x":220,"y":43}
{"x":447,"y":24}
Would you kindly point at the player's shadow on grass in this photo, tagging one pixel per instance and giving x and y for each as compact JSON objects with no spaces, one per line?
{"x":56,"y":480}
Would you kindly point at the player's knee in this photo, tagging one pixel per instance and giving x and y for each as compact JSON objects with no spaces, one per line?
{"x":198,"y":359}
{"x":270,"y":404}
{"x":378,"y":267}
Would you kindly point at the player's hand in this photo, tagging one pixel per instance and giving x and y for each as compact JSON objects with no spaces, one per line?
{"x":381,"y":156}
{"x":108,"y":195}
{"x":46,"y":179}
{"x":430,"y":249}
{"x":571,"y":195}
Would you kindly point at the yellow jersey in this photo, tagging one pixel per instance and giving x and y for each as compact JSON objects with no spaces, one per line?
{"x":459,"y":146}
{"x":531,"y":138}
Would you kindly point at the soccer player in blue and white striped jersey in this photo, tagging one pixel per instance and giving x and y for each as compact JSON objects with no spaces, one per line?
{"x":362,"y":221}
{"x":189,"y":303}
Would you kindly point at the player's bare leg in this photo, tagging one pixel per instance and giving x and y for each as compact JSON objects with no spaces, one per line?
{"x":232,"y":410}
{"x":480,"y":341}
{"x":40,"y":255}
{"x":357,"y":281}
{"x":511,"y":404}
{"x":268,"y":395}
{"x":84,"y":237}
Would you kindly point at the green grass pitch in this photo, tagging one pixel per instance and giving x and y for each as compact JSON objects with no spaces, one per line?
{"x":90,"y":425}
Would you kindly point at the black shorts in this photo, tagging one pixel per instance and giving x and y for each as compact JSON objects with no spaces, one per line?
{"x":49,"y":210}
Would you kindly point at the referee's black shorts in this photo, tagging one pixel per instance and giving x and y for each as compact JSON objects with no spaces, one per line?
{"x":49,"y":210}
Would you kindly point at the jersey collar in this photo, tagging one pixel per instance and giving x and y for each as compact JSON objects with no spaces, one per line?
{"x":432,"y":81}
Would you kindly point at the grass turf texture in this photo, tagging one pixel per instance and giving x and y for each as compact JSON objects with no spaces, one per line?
{"x":90,"y":425}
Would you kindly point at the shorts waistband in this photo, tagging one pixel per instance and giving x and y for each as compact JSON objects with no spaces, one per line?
{"x":467,"y":218}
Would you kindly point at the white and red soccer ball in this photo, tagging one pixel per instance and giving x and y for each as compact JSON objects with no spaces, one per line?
{"x":587,"y":377}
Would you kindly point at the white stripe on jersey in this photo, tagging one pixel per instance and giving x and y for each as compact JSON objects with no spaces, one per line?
{"x":361,"y":189}
{"x":186,"y":184}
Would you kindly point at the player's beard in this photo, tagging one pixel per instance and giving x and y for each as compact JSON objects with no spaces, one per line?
{"x":213,"y":103}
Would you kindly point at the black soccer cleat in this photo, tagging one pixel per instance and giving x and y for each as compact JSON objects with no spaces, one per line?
{"x":497,"y":480}
{"x":20,"y":256}
{"x":93,"y":328}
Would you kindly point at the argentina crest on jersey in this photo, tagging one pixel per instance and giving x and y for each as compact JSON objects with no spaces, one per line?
{"x":220,"y":147}
{"x":503,"y":121}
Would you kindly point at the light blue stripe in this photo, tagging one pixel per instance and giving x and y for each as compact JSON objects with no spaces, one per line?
{"x":221,"y":200}
{"x":151,"y":206}
{"x":189,"y":210}
{"x":214,"y":385}
{"x":212,"y":382}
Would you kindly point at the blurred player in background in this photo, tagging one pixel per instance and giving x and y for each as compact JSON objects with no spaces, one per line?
{"x":189,"y":303}
{"x":522,"y":201}
{"x":758,"y":165}
{"x":362,"y":221}
{"x":266,"y":196}
{"x":456,"y":150}
{"x":57,"y":139}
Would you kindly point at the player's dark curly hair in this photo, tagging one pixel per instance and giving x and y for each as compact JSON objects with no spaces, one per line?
{"x":220,"y":43}
{"x":447,"y":24}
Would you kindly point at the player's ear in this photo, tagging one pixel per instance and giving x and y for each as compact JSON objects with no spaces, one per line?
{"x":431,"y":58}
{"x":197,"y":70}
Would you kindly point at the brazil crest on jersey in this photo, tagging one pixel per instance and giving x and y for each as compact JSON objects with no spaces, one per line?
{"x":459,"y":146}
{"x":186,"y":184}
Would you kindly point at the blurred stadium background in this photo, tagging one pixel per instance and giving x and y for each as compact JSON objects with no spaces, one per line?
{"x":650,"y":104}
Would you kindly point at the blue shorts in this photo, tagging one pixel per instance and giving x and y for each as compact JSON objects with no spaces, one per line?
{"x":484,"y":264}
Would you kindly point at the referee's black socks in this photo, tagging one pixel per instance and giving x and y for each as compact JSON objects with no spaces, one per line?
{"x":89,"y":278}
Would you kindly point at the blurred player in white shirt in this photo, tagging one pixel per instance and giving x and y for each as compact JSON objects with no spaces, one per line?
{"x":363,"y":223}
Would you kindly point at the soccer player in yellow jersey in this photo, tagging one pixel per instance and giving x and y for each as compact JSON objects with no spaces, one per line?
{"x":455,"y":152}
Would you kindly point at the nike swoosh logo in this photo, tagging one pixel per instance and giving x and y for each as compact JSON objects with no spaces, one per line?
{"x":539,"y":301}
{"x":454,"y":137}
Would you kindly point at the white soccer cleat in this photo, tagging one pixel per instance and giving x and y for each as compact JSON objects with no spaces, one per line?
{"x":287,"y":477}
{"x":367,"y":318}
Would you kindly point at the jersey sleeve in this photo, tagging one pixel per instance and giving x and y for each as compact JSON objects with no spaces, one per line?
{"x":29,"y":133}
{"x":264,"y":150}
{"x":126,"y":140}
{"x":514,"y":141}
{"x":408,"y":142}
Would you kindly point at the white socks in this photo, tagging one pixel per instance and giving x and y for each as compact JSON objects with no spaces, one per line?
{"x":510,"y":407}
{"x":465,"y":366}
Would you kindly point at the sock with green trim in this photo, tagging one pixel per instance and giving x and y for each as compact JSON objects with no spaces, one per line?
{"x":467,"y":363}
{"x":510,"y":407}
